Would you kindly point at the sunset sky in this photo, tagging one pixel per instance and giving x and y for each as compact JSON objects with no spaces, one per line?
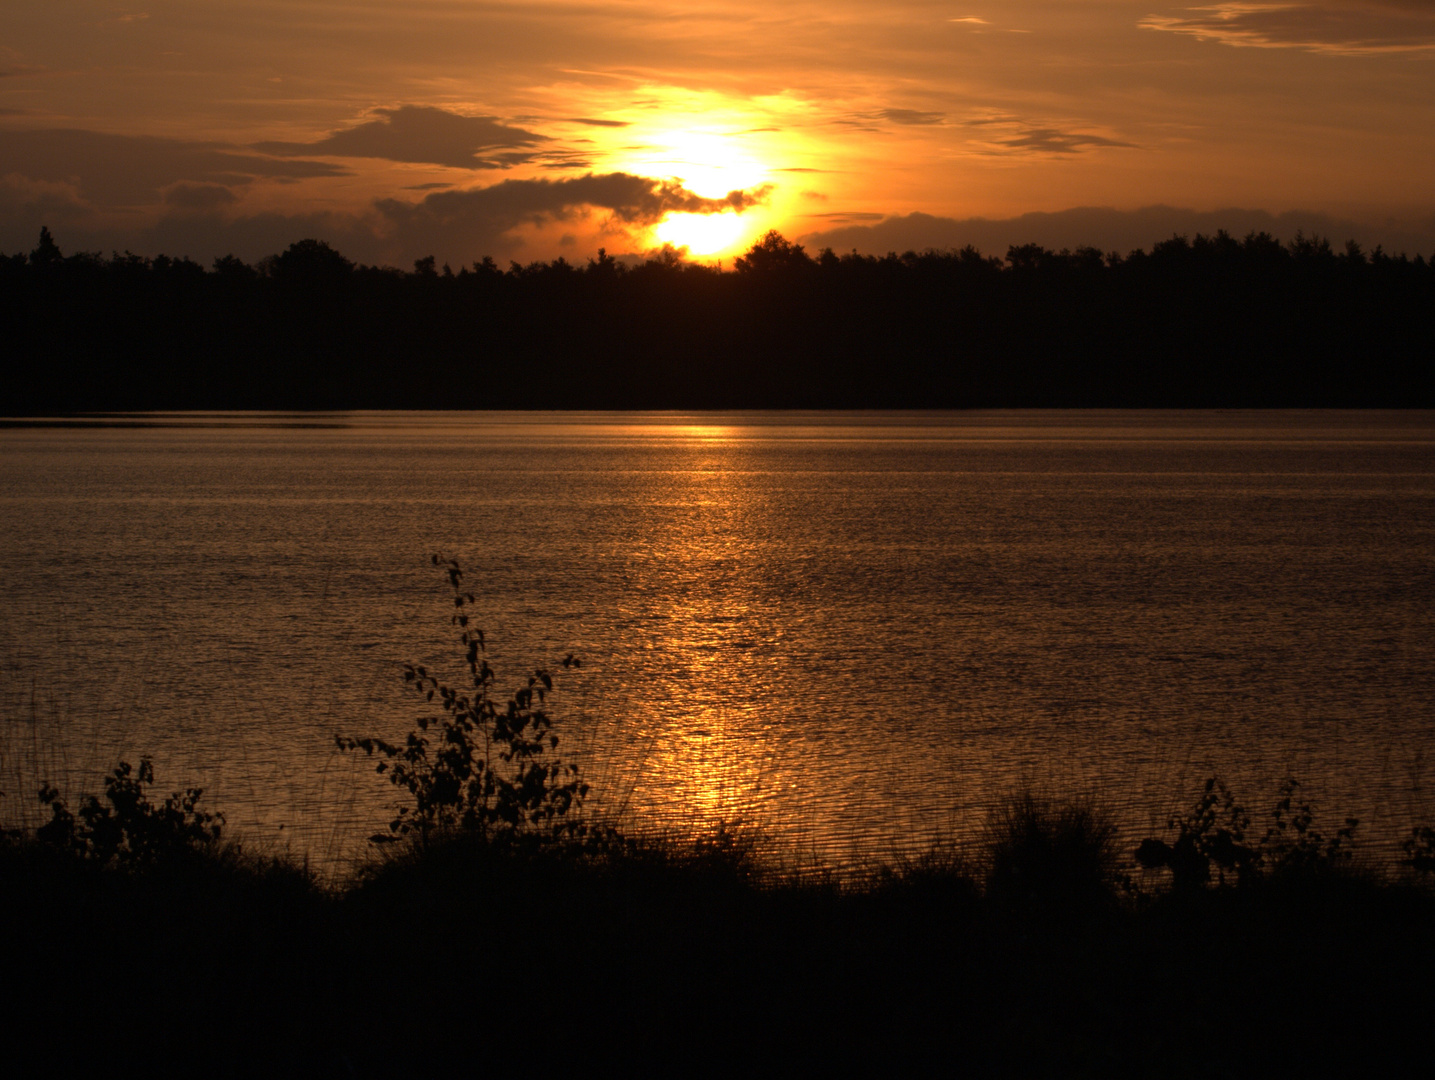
{"x":530,"y":130}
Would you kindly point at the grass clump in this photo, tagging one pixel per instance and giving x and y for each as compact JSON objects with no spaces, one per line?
{"x":1050,"y":858}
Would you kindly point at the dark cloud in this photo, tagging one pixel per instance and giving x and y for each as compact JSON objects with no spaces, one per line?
{"x":1109,"y":230}
{"x":1350,"y":26}
{"x":599,"y":123}
{"x":484,"y":220}
{"x":134,"y":170}
{"x":480,"y":219}
{"x":911,"y":117}
{"x":457,"y":226}
{"x":199,"y":197}
{"x":420,"y":134}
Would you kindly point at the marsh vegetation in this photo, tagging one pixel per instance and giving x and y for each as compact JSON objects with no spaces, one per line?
{"x":498,"y":927}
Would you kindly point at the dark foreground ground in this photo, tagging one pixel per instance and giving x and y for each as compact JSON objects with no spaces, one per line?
{"x":478,"y":959}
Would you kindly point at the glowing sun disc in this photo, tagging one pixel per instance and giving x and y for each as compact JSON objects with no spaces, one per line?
{"x":701,"y":234}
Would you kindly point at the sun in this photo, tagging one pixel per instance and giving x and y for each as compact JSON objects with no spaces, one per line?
{"x":701,"y":234}
{"x":710,"y":160}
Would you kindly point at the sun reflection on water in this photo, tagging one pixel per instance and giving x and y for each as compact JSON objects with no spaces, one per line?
{"x":715,"y":756}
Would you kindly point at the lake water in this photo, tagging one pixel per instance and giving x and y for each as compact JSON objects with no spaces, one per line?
{"x":858,"y":631}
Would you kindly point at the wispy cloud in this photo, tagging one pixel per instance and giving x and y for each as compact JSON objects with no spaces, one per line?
{"x":911,"y":117}
{"x":1008,"y":134}
{"x":1348,"y":27}
{"x":1052,"y":141}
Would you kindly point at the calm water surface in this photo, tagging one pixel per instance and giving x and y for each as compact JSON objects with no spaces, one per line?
{"x":857,"y":630}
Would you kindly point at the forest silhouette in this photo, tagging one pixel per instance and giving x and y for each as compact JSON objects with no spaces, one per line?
{"x":1211,"y":322}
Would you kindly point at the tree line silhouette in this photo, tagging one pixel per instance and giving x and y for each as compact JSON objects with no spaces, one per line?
{"x":1211,"y":322}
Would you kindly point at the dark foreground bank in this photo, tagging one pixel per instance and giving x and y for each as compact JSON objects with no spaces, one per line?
{"x":500,"y":931}
{"x":1037,"y":955}
{"x":1210,"y":322}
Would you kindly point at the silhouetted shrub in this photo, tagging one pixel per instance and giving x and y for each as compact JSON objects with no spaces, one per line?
{"x":1211,"y":836}
{"x":1419,"y":850}
{"x":1293,"y":845}
{"x":1211,"y":842}
{"x":130,"y":830}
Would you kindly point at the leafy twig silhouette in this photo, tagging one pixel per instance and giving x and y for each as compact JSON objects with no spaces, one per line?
{"x":477,"y":765}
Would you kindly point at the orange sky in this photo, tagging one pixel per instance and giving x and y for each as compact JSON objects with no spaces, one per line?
{"x":528,"y":130}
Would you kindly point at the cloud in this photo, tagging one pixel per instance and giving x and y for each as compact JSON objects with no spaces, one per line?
{"x":457,"y":226}
{"x":134,"y":170}
{"x":422,"y":134}
{"x":867,"y":121}
{"x":856,"y":217}
{"x":1052,"y":141}
{"x":1349,"y":27}
{"x":482,"y":220}
{"x":599,"y":123}
{"x":489,"y":220}
{"x":911,"y":116}
{"x":27,"y":204}
{"x":1109,"y":230}
{"x":199,"y":197}
{"x":571,"y":159}
{"x":1007,"y":133}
